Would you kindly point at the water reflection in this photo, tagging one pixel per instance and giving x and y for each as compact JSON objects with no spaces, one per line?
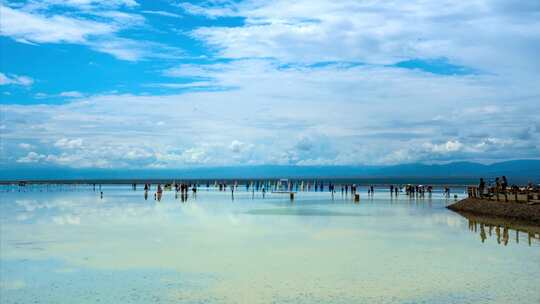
{"x":71,"y":247}
{"x":503,"y":231}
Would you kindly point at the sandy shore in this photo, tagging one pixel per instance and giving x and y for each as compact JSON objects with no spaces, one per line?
{"x":510,"y":210}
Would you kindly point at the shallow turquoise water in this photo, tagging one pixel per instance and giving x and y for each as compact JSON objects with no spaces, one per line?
{"x":68,"y":245}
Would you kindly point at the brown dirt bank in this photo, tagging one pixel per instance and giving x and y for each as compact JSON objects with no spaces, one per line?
{"x":510,"y":210}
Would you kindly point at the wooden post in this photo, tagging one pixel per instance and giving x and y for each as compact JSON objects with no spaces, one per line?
{"x":292,"y":196}
{"x":357,"y":197}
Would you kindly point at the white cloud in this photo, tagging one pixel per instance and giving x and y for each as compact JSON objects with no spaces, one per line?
{"x":26,"y":146}
{"x":479,"y":34}
{"x":194,"y":156}
{"x":41,"y":95}
{"x":65,"y":143}
{"x":31,"y":157}
{"x":83,"y":4}
{"x":447,"y":147}
{"x":237,"y":146}
{"x":15,"y":80}
{"x":44,"y":29}
{"x":195,"y":84}
{"x":133,"y":50}
{"x":138,"y":154}
{"x":66,"y":94}
{"x":283,"y":105}
{"x":209,"y":11}
{"x":73,"y":94}
{"x":100,"y":33}
{"x":80,"y":159}
{"x":162,"y":13}
{"x":288,"y":115}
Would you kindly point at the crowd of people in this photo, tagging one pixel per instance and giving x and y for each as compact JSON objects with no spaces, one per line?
{"x":501,"y":186}
{"x":290,"y":186}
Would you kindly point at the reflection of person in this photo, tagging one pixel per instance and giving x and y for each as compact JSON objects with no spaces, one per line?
{"x":482,"y":232}
{"x":505,"y":236}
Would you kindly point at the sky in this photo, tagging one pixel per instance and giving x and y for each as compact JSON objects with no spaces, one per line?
{"x":176,"y":84}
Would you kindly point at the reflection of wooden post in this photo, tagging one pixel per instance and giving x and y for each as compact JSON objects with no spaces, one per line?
{"x":357,"y":197}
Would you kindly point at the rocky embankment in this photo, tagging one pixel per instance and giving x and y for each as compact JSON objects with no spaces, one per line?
{"x":510,"y":210}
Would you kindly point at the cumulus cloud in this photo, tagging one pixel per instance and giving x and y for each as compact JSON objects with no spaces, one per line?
{"x":65,"y":143}
{"x":236,"y":146}
{"x":328,"y":114}
{"x":31,"y":157}
{"x":447,"y":147}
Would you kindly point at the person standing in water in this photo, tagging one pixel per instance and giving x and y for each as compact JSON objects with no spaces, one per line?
{"x":159,"y":192}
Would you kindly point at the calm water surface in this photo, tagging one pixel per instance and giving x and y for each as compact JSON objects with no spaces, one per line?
{"x":71,"y":246}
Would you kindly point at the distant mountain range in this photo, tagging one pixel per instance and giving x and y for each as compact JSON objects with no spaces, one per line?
{"x":517,"y":170}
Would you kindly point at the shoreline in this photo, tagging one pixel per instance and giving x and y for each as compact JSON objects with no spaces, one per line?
{"x":505,"y":210}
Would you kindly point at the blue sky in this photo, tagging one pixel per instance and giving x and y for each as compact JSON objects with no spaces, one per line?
{"x":173,"y":84}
